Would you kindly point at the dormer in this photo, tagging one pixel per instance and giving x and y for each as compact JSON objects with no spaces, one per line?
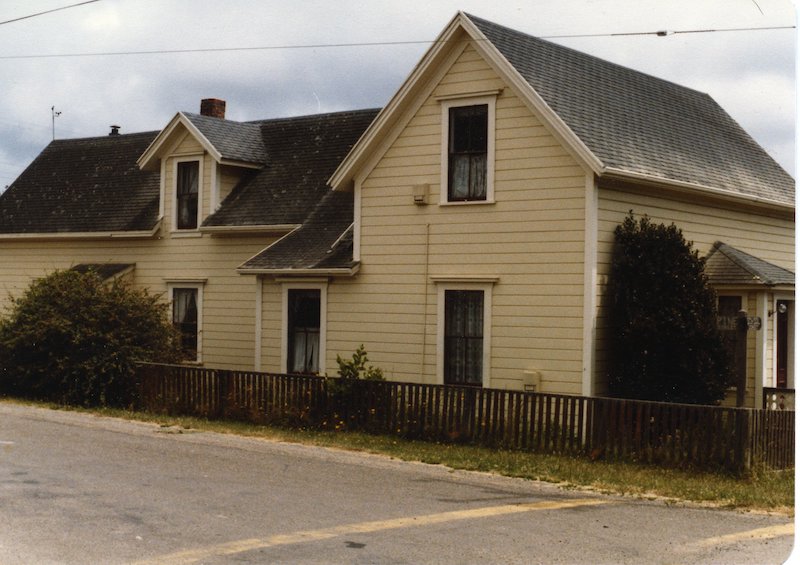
{"x":201,"y":158}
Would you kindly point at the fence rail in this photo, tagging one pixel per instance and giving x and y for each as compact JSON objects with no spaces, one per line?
{"x":675,"y":435}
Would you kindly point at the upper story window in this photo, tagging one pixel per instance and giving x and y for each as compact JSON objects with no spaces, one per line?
{"x":468,"y":150}
{"x":187,"y":195}
{"x":467,"y":153}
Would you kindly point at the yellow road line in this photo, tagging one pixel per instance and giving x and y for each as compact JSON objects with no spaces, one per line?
{"x":240,"y":546}
{"x":768,"y":532}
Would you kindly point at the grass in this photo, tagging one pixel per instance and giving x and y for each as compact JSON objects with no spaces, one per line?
{"x":763,"y":490}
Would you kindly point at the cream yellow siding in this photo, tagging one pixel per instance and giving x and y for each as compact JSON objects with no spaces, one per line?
{"x":529,"y":243}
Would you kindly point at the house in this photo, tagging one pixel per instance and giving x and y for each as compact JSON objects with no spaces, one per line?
{"x":462,"y":233}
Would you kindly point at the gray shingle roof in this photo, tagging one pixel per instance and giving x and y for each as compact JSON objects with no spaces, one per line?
{"x":84,"y":185}
{"x":726,"y":265}
{"x":301,"y":155}
{"x":236,"y":141}
{"x":641,"y":124}
{"x":324,"y":241}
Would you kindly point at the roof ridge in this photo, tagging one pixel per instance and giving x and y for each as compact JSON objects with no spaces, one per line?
{"x":104,"y":137}
{"x":310,"y":116}
{"x":587,"y":55}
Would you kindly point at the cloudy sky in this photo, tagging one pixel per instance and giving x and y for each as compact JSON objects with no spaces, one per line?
{"x":137,"y":62}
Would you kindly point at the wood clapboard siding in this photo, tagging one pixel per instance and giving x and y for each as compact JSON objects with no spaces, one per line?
{"x":531,"y":238}
{"x":769,"y":236}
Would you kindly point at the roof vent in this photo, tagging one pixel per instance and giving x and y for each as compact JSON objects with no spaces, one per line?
{"x":114,"y":130}
{"x":213,"y":107}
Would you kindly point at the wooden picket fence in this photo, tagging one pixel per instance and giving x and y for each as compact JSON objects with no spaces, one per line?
{"x":674,"y":435}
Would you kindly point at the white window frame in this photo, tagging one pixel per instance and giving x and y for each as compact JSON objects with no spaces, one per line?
{"x":176,"y":161}
{"x":322,"y":287}
{"x":197,"y":285}
{"x":490,"y":102}
{"x":486,"y":288}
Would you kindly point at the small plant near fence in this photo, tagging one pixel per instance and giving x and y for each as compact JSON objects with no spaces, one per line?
{"x":347,"y":408}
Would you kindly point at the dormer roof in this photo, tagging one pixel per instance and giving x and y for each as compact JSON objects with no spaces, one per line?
{"x":228,"y":142}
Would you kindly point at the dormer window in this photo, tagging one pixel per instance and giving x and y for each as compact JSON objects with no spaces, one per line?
{"x":187,"y":195}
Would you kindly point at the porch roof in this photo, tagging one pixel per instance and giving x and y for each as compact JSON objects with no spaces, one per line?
{"x":726,"y":265}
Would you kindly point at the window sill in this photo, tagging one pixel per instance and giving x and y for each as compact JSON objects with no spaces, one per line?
{"x":467,"y":203}
{"x":178,"y":234}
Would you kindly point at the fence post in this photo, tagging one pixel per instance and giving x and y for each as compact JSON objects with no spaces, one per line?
{"x":743,"y":429}
{"x":222,"y":391}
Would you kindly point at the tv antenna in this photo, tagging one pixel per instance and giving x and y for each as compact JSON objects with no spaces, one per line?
{"x":54,"y":115}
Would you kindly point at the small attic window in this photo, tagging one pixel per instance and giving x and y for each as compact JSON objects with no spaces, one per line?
{"x":187,"y":195}
{"x":468,"y":150}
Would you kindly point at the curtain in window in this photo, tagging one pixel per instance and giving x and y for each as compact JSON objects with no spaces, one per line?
{"x":304,"y":331}
{"x":188,"y":177}
{"x":467,"y":152}
{"x":184,"y":317}
{"x":464,"y":337}
{"x":306,"y":351}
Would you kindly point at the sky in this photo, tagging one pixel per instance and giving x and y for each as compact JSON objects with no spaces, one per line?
{"x":94,"y":64}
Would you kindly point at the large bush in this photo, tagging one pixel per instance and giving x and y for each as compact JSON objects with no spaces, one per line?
{"x":75,"y":339}
{"x":665,"y":344}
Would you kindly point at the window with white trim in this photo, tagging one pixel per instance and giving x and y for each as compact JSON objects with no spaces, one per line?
{"x":468,"y":150}
{"x":186,"y":302}
{"x":187,"y":195}
{"x":303,"y":331}
{"x":304,"y":319}
{"x":464,"y":333}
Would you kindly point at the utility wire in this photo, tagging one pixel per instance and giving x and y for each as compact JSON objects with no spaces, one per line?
{"x":367,"y":44}
{"x":662,"y":33}
{"x":48,"y":11}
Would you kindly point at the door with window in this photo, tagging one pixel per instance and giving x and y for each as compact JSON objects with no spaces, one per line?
{"x":304,"y":331}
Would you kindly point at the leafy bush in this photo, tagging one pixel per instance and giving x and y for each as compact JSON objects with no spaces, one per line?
{"x":74,"y":339}
{"x":665,"y":344}
{"x":356,"y":368}
{"x":347,"y":407}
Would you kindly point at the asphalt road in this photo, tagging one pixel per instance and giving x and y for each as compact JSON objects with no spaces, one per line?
{"x":76,"y":488}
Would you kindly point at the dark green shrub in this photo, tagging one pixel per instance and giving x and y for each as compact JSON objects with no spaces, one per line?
{"x":348,"y":406}
{"x":665,"y":344}
{"x":74,"y":339}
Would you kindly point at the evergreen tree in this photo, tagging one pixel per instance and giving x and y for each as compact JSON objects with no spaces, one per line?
{"x":665,"y":345}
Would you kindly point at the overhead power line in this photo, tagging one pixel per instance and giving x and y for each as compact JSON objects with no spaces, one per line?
{"x":366,"y":44}
{"x":49,"y":11}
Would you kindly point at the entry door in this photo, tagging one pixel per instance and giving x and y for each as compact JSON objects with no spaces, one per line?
{"x":784,"y":357}
{"x":303,"y":327}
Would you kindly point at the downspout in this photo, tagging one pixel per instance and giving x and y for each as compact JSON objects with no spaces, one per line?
{"x":259,"y":320}
{"x":425,"y":307}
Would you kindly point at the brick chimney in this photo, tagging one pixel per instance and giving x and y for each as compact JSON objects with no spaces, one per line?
{"x":213,"y":107}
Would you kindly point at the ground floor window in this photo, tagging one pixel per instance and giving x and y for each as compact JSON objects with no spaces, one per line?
{"x":304,"y":307}
{"x":185,"y":317}
{"x":463,"y":337}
